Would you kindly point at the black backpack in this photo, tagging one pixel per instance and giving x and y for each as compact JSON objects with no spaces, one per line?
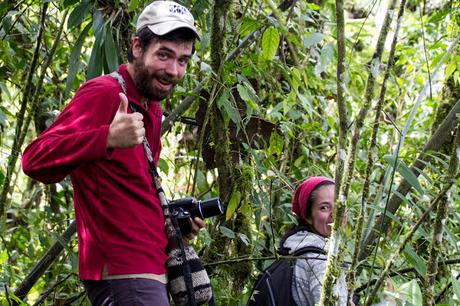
{"x":273,"y":286}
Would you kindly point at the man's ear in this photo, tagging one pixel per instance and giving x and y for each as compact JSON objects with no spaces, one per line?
{"x":136,"y":47}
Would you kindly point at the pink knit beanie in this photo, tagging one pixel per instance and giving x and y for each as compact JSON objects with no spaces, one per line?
{"x":303,"y":192}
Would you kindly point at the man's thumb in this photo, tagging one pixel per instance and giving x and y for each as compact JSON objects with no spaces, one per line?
{"x":123,"y":108}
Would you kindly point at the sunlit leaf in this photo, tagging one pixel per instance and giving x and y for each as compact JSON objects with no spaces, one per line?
{"x":456,"y":287}
{"x":270,"y":42}
{"x":232,"y":205}
{"x":411,"y":292}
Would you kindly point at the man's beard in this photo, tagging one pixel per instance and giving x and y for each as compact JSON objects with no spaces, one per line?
{"x":143,"y":77}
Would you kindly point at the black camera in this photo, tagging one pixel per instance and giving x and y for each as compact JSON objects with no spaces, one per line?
{"x":184,"y":209}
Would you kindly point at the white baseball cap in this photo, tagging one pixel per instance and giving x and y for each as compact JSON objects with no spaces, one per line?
{"x":162,"y":17}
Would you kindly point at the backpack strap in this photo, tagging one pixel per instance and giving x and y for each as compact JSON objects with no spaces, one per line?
{"x":309,"y":249}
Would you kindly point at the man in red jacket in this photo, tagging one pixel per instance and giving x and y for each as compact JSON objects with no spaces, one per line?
{"x":97,"y":140}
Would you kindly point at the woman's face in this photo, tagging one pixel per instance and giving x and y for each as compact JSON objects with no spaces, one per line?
{"x":322,"y":209}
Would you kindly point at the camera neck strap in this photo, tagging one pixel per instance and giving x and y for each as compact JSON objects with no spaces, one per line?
{"x":172,"y":228}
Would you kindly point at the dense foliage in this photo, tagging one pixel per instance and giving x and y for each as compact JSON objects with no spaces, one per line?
{"x":257,"y":112}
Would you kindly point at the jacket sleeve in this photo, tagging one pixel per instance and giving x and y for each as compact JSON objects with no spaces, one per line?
{"x":78,"y":135}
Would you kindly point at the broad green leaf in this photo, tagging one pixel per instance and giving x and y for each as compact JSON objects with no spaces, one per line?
{"x":248,"y":95}
{"x":95,"y":61}
{"x":74,"y":60}
{"x":405,"y":172}
{"x":312,"y":39}
{"x":163,"y":166}
{"x":438,"y":15}
{"x":232,"y":205}
{"x":415,"y":260}
{"x":248,"y":27}
{"x":98,"y":23}
{"x":5,"y":90}
{"x":79,"y":14}
{"x":456,"y":287}
{"x":450,"y":69}
{"x":411,"y":292}
{"x":133,"y":5}
{"x":325,"y":59}
{"x":224,"y":104}
{"x":227,"y":232}
{"x":289,"y":102}
{"x":270,"y":42}
{"x":276,"y":144}
{"x":111,"y":54}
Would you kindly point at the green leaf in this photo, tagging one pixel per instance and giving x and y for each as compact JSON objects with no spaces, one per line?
{"x":163,"y":166}
{"x":325,"y":58}
{"x":232,"y":205}
{"x":248,"y":94}
{"x":224,"y":104}
{"x":74,"y":60}
{"x":415,"y":260}
{"x":456,"y":287}
{"x":95,"y":62}
{"x":439,"y":15}
{"x":412,"y":293}
{"x":79,"y":14}
{"x":227,"y":232}
{"x":312,"y":39}
{"x":270,"y":42}
{"x":98,"y":23}
{"x":450,"y":69}
{"x":276,"y":144}
{"x":248,"y":26}
{"x":5,"y":90}
{"x":111,"y":54}
{"x":405,"y":172}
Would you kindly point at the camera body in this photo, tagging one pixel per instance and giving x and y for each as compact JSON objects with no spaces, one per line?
{"x":184,"y":209}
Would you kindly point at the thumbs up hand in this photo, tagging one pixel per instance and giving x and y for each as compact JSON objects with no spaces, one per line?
{"x":126,"y":130}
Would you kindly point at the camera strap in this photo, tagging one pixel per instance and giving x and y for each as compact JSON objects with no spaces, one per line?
{"x":172,"y":228}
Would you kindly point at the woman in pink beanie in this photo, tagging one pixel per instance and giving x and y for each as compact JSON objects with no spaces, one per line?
{"x":313,"y":204}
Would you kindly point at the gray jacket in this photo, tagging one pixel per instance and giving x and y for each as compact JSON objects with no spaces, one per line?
{"x":309,"y":271}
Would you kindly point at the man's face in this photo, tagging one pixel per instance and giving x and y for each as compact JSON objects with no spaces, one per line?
{"x":160,"y":67}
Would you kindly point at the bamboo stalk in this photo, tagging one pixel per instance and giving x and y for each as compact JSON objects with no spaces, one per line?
{"x":334,"y":256}
{"x":12,"y":159}
{"x":370,"y":155}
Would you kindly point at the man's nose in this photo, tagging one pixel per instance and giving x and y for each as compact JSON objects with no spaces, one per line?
{"x":173,"y":68}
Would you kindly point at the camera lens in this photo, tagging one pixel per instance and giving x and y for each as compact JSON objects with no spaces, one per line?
{"x":209,"y":208}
